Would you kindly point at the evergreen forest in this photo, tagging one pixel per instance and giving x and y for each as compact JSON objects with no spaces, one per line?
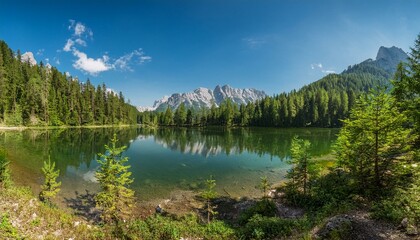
{"x":40,"y":95}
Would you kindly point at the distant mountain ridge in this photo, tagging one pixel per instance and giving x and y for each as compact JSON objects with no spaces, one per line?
{"x":205,"y":98}
{"x":385,"y":63}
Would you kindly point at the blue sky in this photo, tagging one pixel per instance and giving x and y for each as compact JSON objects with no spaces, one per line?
{"x":148,"y":49}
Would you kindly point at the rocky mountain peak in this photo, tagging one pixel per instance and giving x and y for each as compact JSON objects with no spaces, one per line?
{"x":391,"y":54}
{"x":29,"y":57}
{"x":388,"y":58}
{"x":205,"y":98}
{"x":386,"y":61}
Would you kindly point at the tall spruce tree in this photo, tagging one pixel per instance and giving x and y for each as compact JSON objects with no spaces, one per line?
{"x":114,"y":177}
{"x":180,"y":116}
{"x":303,"y":167}
{"x":373,"y":145}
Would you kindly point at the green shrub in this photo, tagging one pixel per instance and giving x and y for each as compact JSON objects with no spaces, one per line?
{"x":260,"y":227}
{"x":189,"y":226}
{"x":388,"y":210}
{"x":7,"y":231}
{"x":403,"y":203}
{"x":218,"y":230}
{"x":265,"y":207}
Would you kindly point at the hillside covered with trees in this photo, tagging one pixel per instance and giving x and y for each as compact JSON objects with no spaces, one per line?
{"x":320,"y":104}
{"x":40,"y":95}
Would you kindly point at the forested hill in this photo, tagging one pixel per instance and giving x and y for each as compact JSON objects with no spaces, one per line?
{"x":322,"y":103}
{"x":37,"y":94}
{"x":325,"y":102}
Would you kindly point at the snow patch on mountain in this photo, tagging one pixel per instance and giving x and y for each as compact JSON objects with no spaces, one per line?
{"x":205,"y":98}
{"x":28,"y":57}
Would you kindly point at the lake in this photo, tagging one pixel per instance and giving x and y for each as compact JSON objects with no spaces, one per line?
{"x":162,"y":160}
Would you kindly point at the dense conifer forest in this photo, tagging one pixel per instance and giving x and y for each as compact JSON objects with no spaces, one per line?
{"x":40,"y":95}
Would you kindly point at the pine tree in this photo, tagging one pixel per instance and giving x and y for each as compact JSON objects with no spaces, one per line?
{"x":264,"y":186}
{"x":373,"y":145}
{"x":303,"y":167}
{"x":51,"y":187}
{"x":190,"y":117}
{"x":209,"y":194}
{"x":167,"y":118}
{"x":180,"y":116}
{"x":115,"y":198}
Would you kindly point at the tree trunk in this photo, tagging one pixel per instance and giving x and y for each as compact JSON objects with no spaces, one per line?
{"x":377,"y":181}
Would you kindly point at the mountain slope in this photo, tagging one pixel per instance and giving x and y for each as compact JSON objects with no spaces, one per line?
{"x":205,"y":98}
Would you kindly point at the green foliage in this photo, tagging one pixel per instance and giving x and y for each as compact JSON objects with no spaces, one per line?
{"x":7,"y":231}
{"x":209,"y":194}
{"x":260,"y":227}
{"x":5,"y":179}
{"x":160,"y":227}
{"x":180,"y":116}
{"x":265,"y":207}
{"x":407,"y":87}
{"x":14,"y":116}
{"x":303,"y":167}
{"x":264,"y":186}
{"x":373,"y":145}
{"x":41,"y":95}
{"x":114,"y":198}
{"x":51,"y":187}
{"x":333,"y":188}
{"x":404,"y":203}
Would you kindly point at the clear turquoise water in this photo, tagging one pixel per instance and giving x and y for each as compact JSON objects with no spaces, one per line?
{"x":162,"y":160}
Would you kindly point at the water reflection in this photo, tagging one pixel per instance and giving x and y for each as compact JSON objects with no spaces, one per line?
{"x":163,"y":159}
{"x":213,"y":141}
{"x":68,"y":147}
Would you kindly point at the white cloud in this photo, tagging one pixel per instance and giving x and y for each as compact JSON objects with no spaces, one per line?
{"x":72,"y":22}
{"x":57,"y":61}
{"x":318,"y":66}
{"x":81,"y":34}
{"x":144,"y":59}
{"x":90,"y":65}
{"x":254,"y":42}
{"x":40,"y":52}
{"x":81,"y":42}
{"x":68,"y":45}
{"x":68,"y":74}
{"x":79,"y":29}
{"x":124,"y":62}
